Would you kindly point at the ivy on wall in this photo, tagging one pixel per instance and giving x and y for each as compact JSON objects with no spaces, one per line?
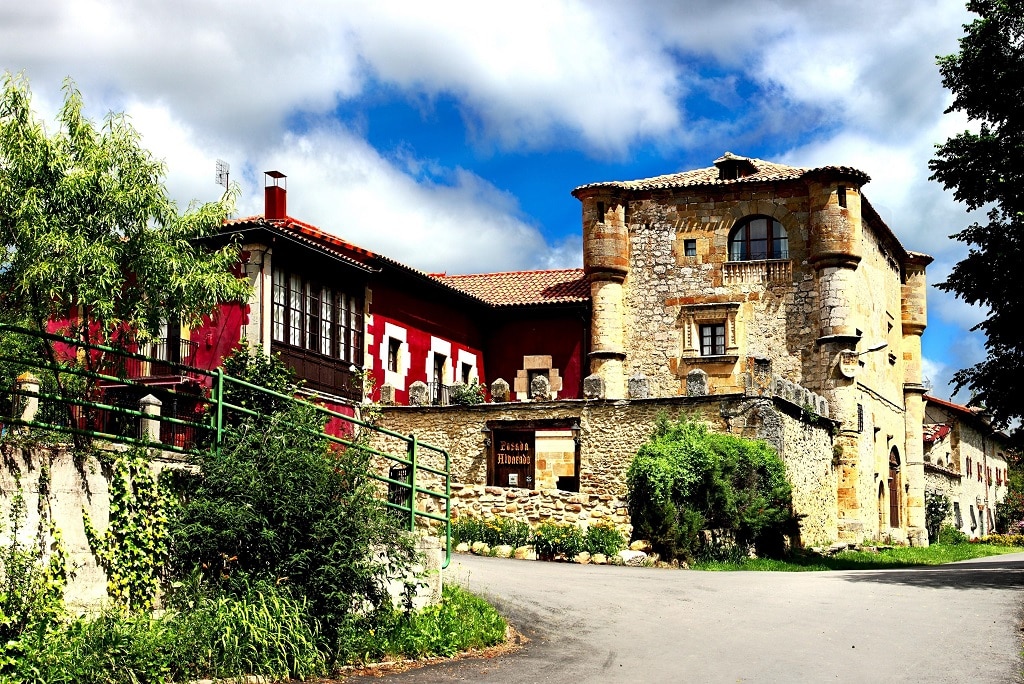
{"x":133,"y":549}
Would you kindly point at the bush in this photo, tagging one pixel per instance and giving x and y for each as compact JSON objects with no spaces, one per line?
{"x":466,"y":395}
{"x":936,"y":510}
{"x":952,"y":536}
{"x":262,"y":632}
{"x":275,"y":504}
{"x":461,"y":621}
{"x":603,"y":539}
{"x":1004,"y":540}
{"x":551,"y":540}
{"x":493,"y":531}
{"x":685,"y":480}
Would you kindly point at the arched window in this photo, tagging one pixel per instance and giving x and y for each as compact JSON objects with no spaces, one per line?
{"x":756,"y":238}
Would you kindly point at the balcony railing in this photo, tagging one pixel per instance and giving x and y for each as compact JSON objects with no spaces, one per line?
{"x":438,"y":393}
{"x":166,"y":355}
{"x":753,"y":272}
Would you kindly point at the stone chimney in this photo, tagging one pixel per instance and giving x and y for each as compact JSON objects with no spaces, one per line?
{"x":275,"y":194}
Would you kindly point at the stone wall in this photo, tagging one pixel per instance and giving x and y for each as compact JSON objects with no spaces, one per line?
{"x":611,"y":432}
{"x":68,"y":489}
{"x":539,"y":506}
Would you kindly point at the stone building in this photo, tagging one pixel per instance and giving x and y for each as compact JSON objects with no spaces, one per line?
{"x":749,"y":263}
{"x":965,"y":460}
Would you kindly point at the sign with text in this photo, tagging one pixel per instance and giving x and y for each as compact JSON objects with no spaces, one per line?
{"x":512,"y":460}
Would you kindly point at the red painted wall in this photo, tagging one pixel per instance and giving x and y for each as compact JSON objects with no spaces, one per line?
{"x":219,"y":334}
{"x":411,"y":306}
{"x":560,"y":334}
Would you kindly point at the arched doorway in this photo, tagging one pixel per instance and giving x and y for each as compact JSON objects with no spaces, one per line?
{"x":894,"y":488}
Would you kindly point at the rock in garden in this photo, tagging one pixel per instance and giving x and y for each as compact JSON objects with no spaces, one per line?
{"x":503,"y":551}
{"x":641,"y":545}
{"x":525,"y":553}
{"x":583,"y":558}
{"x":634,"y":558}
{"x":481,"y":548}
{"x":462,"y":547}
{"x":599,"y":559}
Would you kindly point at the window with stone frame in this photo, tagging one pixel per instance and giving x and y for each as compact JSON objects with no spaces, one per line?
{"x":758,"y":238}
{"x":712,"y":339}
{"x":708,"y":331}
{"x":311,"y":316}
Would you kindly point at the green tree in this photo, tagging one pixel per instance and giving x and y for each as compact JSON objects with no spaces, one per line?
{"x":86,"y":221}
{"x":985,"y":170}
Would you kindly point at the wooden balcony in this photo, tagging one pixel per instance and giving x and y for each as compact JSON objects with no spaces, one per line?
{"x":322,"y":373}
{"x":755,"y":272}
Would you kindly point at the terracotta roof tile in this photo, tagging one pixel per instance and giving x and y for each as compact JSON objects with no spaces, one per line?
{"x":522,"y":287}
{"x":763,"y":171}
{"x":934,"y":432}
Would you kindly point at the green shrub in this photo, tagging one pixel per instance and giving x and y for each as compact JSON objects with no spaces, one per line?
{"x":492,"y":531}
{"x":551,"y":540}
{"x":952,"y":536}
{"x":603,"y":539}
{"x":686,"y":479}
{"x":1004,"y":539}
{"x":466,"y":395}
{"x":274,"y":503}
{"x":936,"y":510}
{"x":263,"y":632}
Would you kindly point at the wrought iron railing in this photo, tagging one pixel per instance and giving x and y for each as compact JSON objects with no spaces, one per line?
{"x":438,"y":393}
{"x":112,"y":405}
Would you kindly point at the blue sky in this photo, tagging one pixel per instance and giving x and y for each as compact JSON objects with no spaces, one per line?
{"x":449,"y":134}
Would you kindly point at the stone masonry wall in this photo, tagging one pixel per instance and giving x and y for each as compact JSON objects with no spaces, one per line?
{"x":611,"y":433}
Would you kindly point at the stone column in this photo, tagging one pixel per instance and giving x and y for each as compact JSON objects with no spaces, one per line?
{"x":29,"y":405}
{"x":150,"y":425}
{"x":835,"y":252}
{"x":257,"y":329}
{"x":913,"y":314}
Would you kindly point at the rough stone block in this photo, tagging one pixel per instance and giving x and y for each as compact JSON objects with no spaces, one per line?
{"x":540,"y":388}
{"x":500,"y":391}
{"x":387,"y":395}
{"x":639,"y":387}
{"x":696,"y":383}
{"x":593,"y":387}
{"x":418,"y":394}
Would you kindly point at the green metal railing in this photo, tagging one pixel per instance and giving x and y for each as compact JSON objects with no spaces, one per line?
{"x":99,"y":373}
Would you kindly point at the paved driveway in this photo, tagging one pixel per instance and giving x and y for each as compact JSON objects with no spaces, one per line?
{"x":954,"y":623}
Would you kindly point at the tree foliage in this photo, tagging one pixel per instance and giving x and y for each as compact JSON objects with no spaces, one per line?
{"x":985,"y":169}
{"x":85,"y":220}
{"x":276,"y":504}
{"x":687,"y":480}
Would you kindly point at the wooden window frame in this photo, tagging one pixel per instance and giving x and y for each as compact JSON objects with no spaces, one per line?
{"x":301,"y":318}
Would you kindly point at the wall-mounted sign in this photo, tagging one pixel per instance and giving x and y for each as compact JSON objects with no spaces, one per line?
{"x":512,"y":460}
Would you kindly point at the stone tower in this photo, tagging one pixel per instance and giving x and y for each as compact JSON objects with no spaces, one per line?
{"x":606,"y":262}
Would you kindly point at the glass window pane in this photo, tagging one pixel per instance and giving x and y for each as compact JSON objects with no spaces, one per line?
{"x":758,"y":229}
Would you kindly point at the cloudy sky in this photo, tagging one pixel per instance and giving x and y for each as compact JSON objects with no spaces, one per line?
{"x":449,"y":134}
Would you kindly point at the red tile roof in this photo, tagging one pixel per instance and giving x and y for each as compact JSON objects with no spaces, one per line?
{"x":934,"y":432}
{"x":497,"y":289}
{"x":523,"y":287}
{"x":763,"y":171}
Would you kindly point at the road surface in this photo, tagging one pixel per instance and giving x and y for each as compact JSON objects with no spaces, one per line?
{"x":952,"y":623}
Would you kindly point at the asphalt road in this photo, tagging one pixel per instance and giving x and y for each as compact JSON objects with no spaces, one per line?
{"x":953,"y":623}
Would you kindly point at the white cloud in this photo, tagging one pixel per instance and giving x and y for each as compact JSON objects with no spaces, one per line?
{"x":457,"y":224}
